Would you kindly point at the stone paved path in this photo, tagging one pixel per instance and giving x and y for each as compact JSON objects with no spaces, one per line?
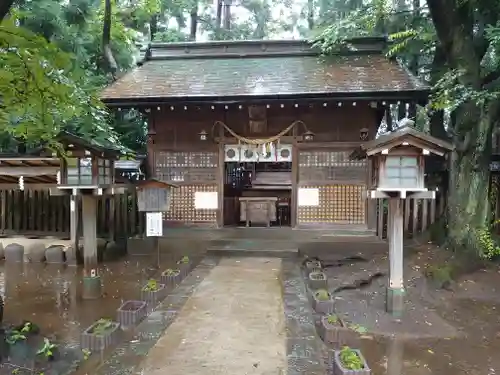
{"x":233,"y":324}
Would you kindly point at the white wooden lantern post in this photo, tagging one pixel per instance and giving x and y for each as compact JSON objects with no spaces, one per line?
{"x":87,"y":171}
{"x":153,"y":197}
{"x":398,"y":161}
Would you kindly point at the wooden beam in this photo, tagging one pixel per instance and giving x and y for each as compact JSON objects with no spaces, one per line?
{"x":28,"y":171}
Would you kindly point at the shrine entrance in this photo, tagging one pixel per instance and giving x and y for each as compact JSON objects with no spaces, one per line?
{"x":258,"y":185}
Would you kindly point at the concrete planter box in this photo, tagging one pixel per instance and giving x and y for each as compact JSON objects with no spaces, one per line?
{"x":171,"y":278}
{"x":318,"y":280}
{"x":313,"y":264}
{"x":153,"y":297}
{"x":322,"y":306}
{"x":14,"y":253}
{"x":96,"y":338}
{"x":338,"y":368}
{"x":184,"y":267}
{"x":131,"y":313}
{"x":336,"y":334}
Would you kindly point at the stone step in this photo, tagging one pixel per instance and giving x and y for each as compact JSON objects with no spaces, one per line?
{"x":259,"y":249}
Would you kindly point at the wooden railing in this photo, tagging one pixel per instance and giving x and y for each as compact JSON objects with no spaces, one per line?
{"x":418,"y":215}
{"x":37,"y":213}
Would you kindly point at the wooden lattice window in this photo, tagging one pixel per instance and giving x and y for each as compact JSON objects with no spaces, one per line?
{"x":338,"y":204}
{"x":186,"y":166}
{"x":182,"y":205}
{"x":330,"y":166}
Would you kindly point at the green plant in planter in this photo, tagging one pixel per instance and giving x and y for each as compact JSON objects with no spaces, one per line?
{"x":47,"y":350}
{"x":27,"y":327}
{"x":357,"y":328}
{"x":151,"y":286}
{"x":332,"y":319}
{"x":15,"y":336}
{"x":101,"y":326}
{"x":171,"y":272}
{"x":322,"y":295}
{"x":86,"y":354}
{"x":183,"y":260}
{"x":350,"y":359}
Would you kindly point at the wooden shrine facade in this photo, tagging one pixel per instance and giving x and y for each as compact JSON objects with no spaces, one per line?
{"x":221,"y":92}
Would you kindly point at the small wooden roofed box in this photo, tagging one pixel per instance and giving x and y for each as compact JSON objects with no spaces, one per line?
{"x":154,"y":195}
{"x":87,"y":167}
{"x":398,"y":162}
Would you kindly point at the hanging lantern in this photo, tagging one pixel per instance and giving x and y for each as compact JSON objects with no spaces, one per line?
{"x":203,"y":135}
{"x":308,"y":136}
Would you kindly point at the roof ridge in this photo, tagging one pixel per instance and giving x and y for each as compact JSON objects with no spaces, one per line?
{"x":255,"y":48}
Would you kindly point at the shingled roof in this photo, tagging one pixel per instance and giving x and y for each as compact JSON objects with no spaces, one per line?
{"x":262,"y":69}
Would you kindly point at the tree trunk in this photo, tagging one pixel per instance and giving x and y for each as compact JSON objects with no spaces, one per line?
{"x":106,"y":40}
{"x":218,"y":17}
{"x":310,"y":14}
{"x":227,"y":15}
{"x":5,"y":6}
{"x":153,"y":27}
{"x":194,"y":23}
{"x":468,"y":197}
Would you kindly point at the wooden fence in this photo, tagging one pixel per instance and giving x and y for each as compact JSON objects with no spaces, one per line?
{"x":37,"y":213}
{"x":418,"y":215}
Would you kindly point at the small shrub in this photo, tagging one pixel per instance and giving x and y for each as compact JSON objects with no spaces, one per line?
{"x":47,"y":350}
{"x":101,"y":326}
{"x":440,"y":275}
{"x":350,"y":359}
{"x":357,"y":328}
{"x":322,"y":295}
{"x":332,"y":319}
{"x":184,"y":260}
{"x":151,"y":286}
{"x":15,"y":336}
{"x":86,"y":354}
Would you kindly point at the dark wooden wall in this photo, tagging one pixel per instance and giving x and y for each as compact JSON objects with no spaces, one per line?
{"x":179,"y":156}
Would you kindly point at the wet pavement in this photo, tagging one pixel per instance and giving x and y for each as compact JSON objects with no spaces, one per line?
{"x":236,"y":307}
{"x":461,"y":335}
{"x":50,"y":296}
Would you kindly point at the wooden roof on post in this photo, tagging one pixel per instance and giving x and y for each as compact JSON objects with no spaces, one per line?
{"x":38,"y":169}
{"x":226,"y":71}
{"x":405,"y":135}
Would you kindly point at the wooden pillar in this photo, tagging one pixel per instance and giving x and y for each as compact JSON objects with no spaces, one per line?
{"x":395,"y":291}
{"x":91,"y":279}
{"x":73,"y":223}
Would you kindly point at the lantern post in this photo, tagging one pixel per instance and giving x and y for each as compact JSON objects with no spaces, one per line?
{"x":398,"y":162}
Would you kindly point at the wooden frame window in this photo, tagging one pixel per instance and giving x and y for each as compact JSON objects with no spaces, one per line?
{"x":401,"y":172}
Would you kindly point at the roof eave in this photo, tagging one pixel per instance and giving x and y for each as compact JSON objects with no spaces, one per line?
{"x":420,"y":96}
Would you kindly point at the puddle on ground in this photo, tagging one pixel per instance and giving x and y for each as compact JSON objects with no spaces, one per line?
{"x":50,"y":296}
{"x":474,"y":352}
